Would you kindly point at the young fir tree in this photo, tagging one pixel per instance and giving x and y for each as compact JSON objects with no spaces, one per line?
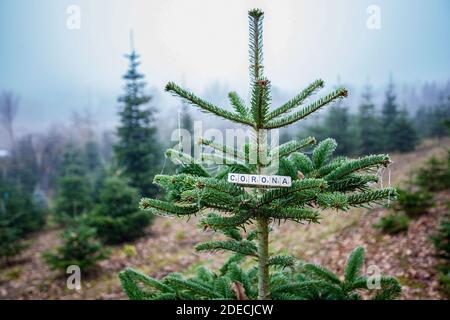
{"x":403,"y":134}
{"x":73,"y":192}
{"x":389,"y":113}
{"x":137,"y":151}
{"x":320,"y":181}
{"x":369,"y":128}
{"x":338,"y":125}
{"x":80,"y":247}
{"x":117,"y":217}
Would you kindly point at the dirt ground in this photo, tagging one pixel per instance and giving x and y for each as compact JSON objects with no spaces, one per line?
{"x":168,"y":247}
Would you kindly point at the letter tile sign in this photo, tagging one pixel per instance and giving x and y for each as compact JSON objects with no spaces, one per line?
{"x":259,"y":180}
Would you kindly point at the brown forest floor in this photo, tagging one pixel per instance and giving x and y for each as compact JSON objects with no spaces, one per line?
{"x":168,"y":247}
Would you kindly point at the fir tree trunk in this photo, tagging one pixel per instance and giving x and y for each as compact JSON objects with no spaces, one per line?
{"x":263,"y":257}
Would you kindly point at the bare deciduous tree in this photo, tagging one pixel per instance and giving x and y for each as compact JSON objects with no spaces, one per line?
{"x":9,"y":105}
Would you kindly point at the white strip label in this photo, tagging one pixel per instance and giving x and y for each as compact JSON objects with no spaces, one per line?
{"x":259,"y":180}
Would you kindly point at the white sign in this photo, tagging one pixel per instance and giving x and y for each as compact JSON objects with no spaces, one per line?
{"x":260,"y":180}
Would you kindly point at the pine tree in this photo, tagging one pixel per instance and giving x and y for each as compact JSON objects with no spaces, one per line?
{"x":320,"y":181}
{"x":137,"y":151}
{"x":369,"y":128}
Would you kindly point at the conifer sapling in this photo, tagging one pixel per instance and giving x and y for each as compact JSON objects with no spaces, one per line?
{"x":319,"y":181}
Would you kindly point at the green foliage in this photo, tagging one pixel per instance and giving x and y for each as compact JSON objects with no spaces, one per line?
{"x":79,"y":247}
{"x":117,"y":217}
{"x":137,"y":150}
{"x":403,"y":136}
{"x":393,"y":223}
{"x":306,"y":281}
{"x":434,"y":175}
{"x":369,"y":126}
{"x":19,"y":215}
{"x":441,"y":241}
{"x":74,"y":190}
{"x":433,"y":120}
{"x":319,"y":181}
{"x":413,"y":203}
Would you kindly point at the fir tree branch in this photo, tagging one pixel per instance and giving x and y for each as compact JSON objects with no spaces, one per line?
{"x":354,"y":264}
{"x":215,"y":221}
{"x":295,"y":214}
{"x":219,"y":159}
{"x":282,"y":261}
{"x":355,"y":165}
{"x":231,"y":151}
{"x":296,"y":101}
{"x":238,"y":104}
{"x":302,"y":162}
{"x":323,"y":152}
{"x":204,"y":105}
{"x":292,"y":146}
{"x":321,"y":273}
{"x":297,"y":187}
{"x":371,"y":196}
{"x":243,"y":247}
{"x":166,"y":207}
{"x":390,"y":289}
{"x":301,"y":114}
{"x":196,"y":288}
{"x":352,"y":182}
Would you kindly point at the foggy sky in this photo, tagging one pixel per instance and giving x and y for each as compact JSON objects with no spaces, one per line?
{"x":203,"y":43}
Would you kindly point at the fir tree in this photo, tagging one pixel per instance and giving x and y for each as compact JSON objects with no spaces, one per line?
{"x":19,"y":215}
{"x":137,"y":151}
{"x":403,"y":134}
{"x":369,"y":128}
{"x":320,"y":181}
{"x":80,"y":248}
{"x":73,"y":193}
{"x":117,"y":217}
{"x":338,"y":125}
{"x":389,"y":114}
{"x":92,"y":159}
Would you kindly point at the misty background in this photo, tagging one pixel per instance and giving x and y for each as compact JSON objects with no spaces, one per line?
{"x":56,"y":71}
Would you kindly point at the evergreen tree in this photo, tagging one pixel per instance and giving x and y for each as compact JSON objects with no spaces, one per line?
{"x":440,"y":115}
{"x":403,"y":134}
{"x":117,"y":217}
{"x":93,"y":161}
{"x":338,"y":125}
{"x":389,"y":110}
{"x":23,"y":168}
{"x":19,"y":216}
{"x":79,"y":248}
{"x":369,"y":128}
{"x":389,"y":114}
{"x":319,"y":181}
{"x":137,"y":151}
{"x":73,"y":193}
